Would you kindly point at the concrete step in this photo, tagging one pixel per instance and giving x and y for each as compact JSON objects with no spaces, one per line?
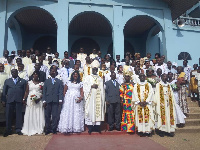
{"x":194,"y":116}
{"x":192,"y":104}
{"x":188,"y":129}
{"x":194,"y":109}
{"x":192,"y":122}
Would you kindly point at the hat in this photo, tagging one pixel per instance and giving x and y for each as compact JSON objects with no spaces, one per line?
{"x":95,"y":64}
{"x":128,"y":73}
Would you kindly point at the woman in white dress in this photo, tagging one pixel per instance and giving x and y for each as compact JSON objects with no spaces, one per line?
{"x":72,"y":114}
{"x":34,"y":121}
{"x":180,"y":117}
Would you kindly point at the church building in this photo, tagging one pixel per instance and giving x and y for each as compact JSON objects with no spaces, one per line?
{"x":168,"y":27}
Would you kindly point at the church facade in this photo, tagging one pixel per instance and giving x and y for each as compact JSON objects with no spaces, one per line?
{"x":112,"y":26}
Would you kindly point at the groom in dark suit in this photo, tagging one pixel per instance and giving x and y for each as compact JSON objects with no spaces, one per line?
{"x":13,"y":93}
{"x":112,"y":94}
{"x":52,"y":97}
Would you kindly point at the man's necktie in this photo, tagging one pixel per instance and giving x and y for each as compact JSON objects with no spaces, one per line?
{"x":114,"y":82}
{"x":68,"y":72}
{"x":15,"y":80}
{"x":52,"y":81}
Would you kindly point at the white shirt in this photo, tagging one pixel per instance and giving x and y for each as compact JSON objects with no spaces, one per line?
{"x":120,"y":78}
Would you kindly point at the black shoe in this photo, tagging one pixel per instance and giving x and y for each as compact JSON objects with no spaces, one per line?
{"x":89,"y":132}
{"x":19,"y":133}
{"x":110,"y":129}
{"x":118,"y":129}
{"x":47,"y":132}
{"x":54,"y":132}
{"x":171,"y":134}
{"x":5,"y":134}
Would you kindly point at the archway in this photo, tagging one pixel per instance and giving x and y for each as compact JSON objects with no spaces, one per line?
{"x":33,"y":22}
{"x":45,"y":41}
{"x":90,"y":25}
{"x":87,"y":43}
{"x":139,"y":30}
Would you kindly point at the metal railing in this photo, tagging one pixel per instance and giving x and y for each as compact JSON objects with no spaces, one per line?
{"x":188,"y":21}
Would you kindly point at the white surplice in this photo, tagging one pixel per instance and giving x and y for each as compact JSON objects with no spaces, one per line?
{"x":142,"y":126}
{"x":94,"y":100}
{"x":167,"y":126}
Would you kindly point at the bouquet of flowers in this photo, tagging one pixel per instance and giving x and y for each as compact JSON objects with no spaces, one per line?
{"x":174,"y":87}
{"x":151,"y":81}
{"x":34,"y":97}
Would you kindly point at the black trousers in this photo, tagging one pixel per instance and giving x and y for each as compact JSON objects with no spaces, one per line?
{"x":114,"y":115}
{"x":51,"y":109}
{"x":10,"y":107}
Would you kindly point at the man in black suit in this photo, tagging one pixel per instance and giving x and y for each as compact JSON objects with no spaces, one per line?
{"x":13,"y":93}
{"x":52,"y":97}
{"x":112,"y":94}
{"x":42,"y":76}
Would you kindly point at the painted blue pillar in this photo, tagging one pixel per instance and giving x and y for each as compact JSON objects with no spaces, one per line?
{"x":167,"y":36}
{"x":118,"y":36}
{"x":63,"y":23}
{"x":2,"y":25}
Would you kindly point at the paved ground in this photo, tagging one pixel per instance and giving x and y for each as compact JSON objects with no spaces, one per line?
{"x":16,"y":142}
{"x":183,"y":141}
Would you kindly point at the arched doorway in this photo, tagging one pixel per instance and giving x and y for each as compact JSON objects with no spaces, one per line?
{"x":45,"y":41}
{"x":90,"y":25}
{"x":33,"y":22}
{"x":139,"y":30}
{"x":87,"y":43}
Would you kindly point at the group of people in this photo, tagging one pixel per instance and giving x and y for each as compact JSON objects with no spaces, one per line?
{"x":51,"y":95}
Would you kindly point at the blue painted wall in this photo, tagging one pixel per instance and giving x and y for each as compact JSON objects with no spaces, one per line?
{"x":116,"y":12}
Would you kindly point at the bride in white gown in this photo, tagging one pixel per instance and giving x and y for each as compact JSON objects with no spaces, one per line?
{"x":72,"y":114}
{"x":34,"y":121}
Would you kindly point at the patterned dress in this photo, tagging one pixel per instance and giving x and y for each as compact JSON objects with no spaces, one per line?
{"x":182,"y":93}
{"x":127,"y":123}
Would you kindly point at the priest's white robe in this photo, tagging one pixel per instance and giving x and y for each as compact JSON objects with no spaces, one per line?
{"x":144,"y":117}
{"x":165,"y":108}
{"x":94,"y":100}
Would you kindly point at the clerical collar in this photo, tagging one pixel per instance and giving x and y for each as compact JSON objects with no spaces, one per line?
{"x":164,"y":84}
{"x":142,"y":83}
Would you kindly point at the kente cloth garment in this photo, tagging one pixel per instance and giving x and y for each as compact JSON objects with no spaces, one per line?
{"x":165,"y":108}
{"x":94,"y":100}
{"x":72,"y":113}
{"x":34,"y":121}
{"x":127,"y":123}
{"x":182,"y":93}
{"x":144,"y":117}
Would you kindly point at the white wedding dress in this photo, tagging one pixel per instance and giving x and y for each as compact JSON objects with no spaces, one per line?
{"x":34,"y":120}
{"x":72,"y":114}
